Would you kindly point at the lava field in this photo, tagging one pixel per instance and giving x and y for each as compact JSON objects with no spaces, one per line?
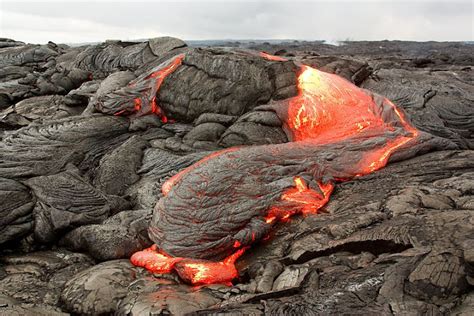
{"x":145,"y":178}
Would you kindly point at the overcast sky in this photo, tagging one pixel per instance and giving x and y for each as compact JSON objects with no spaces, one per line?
{"x":88,"y":21}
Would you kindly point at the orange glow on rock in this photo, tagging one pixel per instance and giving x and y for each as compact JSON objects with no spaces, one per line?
{"x":159,"y":76}
{"x":154,"y":261}
{"x":310,"y":200}
{"x":327,"y":110}
{"x":138,"y":104}
{"x":208,"y":272}
{"x":192,"y":271}
{"x":272,"y":57}
{"x":307,"y":200}
{"x":270,"y":219}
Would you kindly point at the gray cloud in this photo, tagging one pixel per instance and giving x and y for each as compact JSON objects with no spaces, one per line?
{"x":72,"y":21}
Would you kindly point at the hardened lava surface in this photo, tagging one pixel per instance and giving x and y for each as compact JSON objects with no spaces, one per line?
{"x":231,"y":199}
{"x":254,"y":163}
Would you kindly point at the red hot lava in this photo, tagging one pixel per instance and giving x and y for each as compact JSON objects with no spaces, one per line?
{"x":146,"y":103}
{"x":272,"y":57}
{"x":327,"y":110}
{"x":190,"y":270}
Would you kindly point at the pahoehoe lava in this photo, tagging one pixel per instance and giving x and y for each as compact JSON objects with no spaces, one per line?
{"x":217,"y":207}
{"x":329,"y":179}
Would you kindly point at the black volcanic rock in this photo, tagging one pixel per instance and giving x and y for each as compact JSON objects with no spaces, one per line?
{"x":153,"y":297}
{"x":157,"y":165}
{"x":64,"y":201}
{"x":255,"y":128}
{"x":112,"y":56}
{"x":205,"y":132}
{"x":27,"y":54}
{"x":118,"y":237}
{"x":352,"y":69}
{"x":34,"y":281}
{"x":42,"y":149}
{"x":398,"y":241}
{"x":45,"y":107}
{"x":15,"y":210}
{"x":235,"y":83}
{"x":117,"y":169}
{"x":438,"y":102}
{"x":99,"y":289}
{"x":235,"y":210}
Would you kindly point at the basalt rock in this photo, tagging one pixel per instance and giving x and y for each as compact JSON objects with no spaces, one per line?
{"x":395,"y":241}
{"x":209,"y":209}
{"x":16,"y":210}
{"x":43,"y":149}
{"x":35,"y":280}
{"x":437,"y":102}
{"x":20,"y":55}
{"x":255,"y":128}
{"x":157,"y":165}
{"x":99,"y":289}
{"x":32,"y":70}
{"x":118,"y":237}
{"x":235,"y":83}
{"x":271,"y":167}
{"x":164,"y":297}
{"x":64,"y":201}
{"x":117,"y":170}
{"x":112,"y":56}
{"x":352,"y":69}
{"x":39,"y":108}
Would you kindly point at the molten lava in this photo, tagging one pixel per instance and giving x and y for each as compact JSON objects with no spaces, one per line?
{"x":272,"y":57}
{"x":146,"y":103}
{"x":207,"y":272}
{"x":327,"y":110}
{"x":190,"y":270}
{"x":330,"y":109}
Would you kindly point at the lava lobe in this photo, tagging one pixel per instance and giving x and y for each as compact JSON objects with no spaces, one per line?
{"x":215,"y":209}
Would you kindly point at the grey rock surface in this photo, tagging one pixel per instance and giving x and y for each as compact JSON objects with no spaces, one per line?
{"x":118,"y":237}
{"x":395,"y":242}
{"x":16,"y":210}
{"x":99,"y":289}
{"x":65,"y":200}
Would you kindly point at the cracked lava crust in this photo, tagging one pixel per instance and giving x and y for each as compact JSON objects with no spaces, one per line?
{"x":214,"y":210}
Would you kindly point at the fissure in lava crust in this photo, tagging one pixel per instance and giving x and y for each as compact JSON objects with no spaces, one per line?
{"x":214,"y":210}
{"x":139,"y":97}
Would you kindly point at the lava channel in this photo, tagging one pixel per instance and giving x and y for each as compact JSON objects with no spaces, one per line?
{"x":328,"y":111}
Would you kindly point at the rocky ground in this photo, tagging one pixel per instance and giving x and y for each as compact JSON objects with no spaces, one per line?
{"x":78,"y":184}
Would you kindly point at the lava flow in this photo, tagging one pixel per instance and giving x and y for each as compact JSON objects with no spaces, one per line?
{"x":146,"y":102}
{"x":190,"y":270}
{"x":328,"y":110}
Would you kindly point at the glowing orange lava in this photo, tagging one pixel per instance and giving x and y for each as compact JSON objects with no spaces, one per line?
{"x":150,"y":98}
{"x":190,"y":270}
{"x":272,"y":57}
{"x":328,"y":109}
{"x":153,"y":260}
{"x":208,"y":272}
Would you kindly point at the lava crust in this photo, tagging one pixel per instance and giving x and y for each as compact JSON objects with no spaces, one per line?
{"x":279,"y":184}
{"x":232,"y":198}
